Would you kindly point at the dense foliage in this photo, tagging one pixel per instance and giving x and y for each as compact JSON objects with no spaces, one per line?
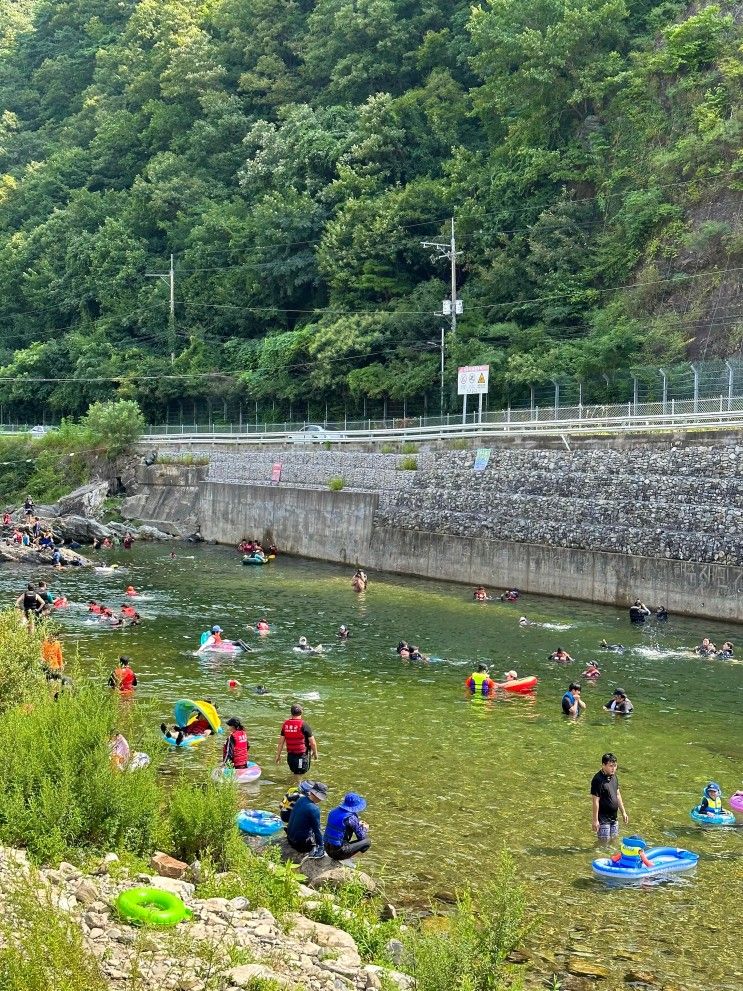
{"x":293,"y":155}
{"x":49,"y":466}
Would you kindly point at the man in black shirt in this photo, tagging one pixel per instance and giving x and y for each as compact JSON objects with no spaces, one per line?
{"x":607,"y":800}
{"x":638,"y":611}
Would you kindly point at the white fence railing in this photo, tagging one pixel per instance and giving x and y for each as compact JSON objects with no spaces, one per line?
{"x":561,"y":421}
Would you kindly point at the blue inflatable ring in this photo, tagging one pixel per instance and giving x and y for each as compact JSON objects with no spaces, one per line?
{"x":723,"y":818}
{"x":256,"y":822}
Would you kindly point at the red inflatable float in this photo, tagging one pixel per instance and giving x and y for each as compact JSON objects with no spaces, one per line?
{"x":518,"y":684}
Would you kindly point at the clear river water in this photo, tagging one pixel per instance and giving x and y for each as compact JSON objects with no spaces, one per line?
{"x":451,"y":781}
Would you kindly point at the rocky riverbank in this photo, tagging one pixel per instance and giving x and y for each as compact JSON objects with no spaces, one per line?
{"x":228,"y":944}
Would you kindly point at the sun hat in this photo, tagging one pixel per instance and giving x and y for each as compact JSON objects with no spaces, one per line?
{"x":510,"y":674}
{"x":620,"y":691}
{"x":352,"y":802}
{"x":319,"y":790}
{"x":216,"y":629}
{"x":302,"y":641}
{"x":636,"y":842}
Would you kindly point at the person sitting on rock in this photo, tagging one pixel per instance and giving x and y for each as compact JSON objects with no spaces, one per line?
{"x":346,"y":834}
{"x":303,"y":832}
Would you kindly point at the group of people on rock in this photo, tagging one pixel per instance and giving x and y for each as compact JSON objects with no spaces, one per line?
{"x":345,"y":834}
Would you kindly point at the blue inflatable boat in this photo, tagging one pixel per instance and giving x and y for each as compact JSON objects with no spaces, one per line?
{"x":255,"y":822}
{"x":722,"y":818}
{"x":665,"y":860}
{"x":187,"y":741}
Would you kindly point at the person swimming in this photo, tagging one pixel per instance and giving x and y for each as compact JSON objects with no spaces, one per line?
{"x":523,"y":621}
{"x":343,"y":632}
{"x":592,"y":670}
{"x":307,"y":648}
{"x":561,"y":656}
{"x":616,"y":648}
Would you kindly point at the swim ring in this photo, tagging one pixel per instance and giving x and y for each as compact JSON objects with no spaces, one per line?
{"x":225,"y":647}
{"x":152,"y":907}
{"x":240,"y":774}
{"x":106,"y":569}
{"x":187,"y":741}
{"x":665,"y":860}
{"x":519,"y":684}
{"x":256,"y":822}
{"x":253,"y":559}
{"x":721,"y":818}
{"x":736,"y":801}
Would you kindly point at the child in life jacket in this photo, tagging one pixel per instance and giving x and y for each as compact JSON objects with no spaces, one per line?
{"x":632,"y":853}
{"x":236,"y":749}
{"x":711,"y":803}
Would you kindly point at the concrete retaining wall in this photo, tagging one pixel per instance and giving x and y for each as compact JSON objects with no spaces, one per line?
{"x":340,"y":527}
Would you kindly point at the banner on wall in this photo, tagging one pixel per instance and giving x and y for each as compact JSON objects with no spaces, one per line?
{"x":276,"y":473}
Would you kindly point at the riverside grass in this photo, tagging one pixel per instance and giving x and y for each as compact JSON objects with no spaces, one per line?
{"x":61,"y":799}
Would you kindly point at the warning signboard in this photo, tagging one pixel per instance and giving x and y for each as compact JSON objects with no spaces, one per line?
{"x":472,"y":380}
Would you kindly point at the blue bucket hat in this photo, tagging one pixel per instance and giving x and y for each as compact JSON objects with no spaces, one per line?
{"x":216,"y":629}
{"x":353,"y":802}
{"x":636,"y":842}
{"x":712,"y":785}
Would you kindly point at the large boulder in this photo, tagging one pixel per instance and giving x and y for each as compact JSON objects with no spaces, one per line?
{"x":80,"y":528}
{"x":85,"y":501}
{"x":18,"y":554}
{"x":324,"y":872}
{"x":153,"y":533}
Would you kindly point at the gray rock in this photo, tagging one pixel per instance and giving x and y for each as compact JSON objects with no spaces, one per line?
{"x":86,"y":892}
{"x":245,"y":975}
{"x":153,"y":533}
{"x":85,"y":501}
{"x":396,"y":951}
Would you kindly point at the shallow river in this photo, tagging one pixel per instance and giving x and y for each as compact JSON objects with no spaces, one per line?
{"x":451,"y":781}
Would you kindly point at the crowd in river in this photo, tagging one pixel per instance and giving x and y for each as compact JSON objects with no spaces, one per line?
{"x":345,"y":834}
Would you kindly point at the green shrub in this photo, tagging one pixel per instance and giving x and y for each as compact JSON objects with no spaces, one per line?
{"x":357,"y":914}
{"x":327,"y":445}
{"x":42,"y":946}
{"x":265,"y":880}
{"x":470,"y":954}
{"x":408,"y":464}
{"x":201,"y":821}
{"x":336,"y":484}
{"x":409,"y":447}
{"x":20,"y":654}
{"x":387,"y":448}
{"x":59,"y":794}
{"x":460,"y":444}
{"x":115,"y":426}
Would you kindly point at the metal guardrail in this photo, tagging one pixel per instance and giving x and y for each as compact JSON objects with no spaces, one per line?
{"x":595,"y":424}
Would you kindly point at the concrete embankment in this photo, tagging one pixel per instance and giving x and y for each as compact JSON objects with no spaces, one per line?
{"x":604,"y":523}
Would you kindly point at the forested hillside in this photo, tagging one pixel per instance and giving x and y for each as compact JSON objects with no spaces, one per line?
{"x":293,"y":155}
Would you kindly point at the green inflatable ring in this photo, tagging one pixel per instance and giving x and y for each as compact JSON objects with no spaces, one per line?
{"x":151,"y":906}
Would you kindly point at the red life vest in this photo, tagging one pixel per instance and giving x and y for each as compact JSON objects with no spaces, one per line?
{"x":293,"y":733}
{"x":239,"y":747}
{"x":124,"y":679}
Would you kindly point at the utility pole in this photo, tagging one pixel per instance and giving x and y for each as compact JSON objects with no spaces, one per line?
{"x":452,"y":306}
{"x":168,"y":277}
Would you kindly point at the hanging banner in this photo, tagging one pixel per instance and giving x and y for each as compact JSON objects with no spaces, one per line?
{"x":276,"y":473}
{"x":482,"y":458}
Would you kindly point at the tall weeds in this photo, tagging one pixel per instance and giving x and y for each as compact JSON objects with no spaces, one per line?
{"x":58,"y":790}
{"x":470,"y":953}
